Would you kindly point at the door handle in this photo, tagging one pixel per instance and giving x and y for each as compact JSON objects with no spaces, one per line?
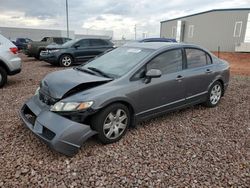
{"x":208,"y":71}
{"x":179,"y":78}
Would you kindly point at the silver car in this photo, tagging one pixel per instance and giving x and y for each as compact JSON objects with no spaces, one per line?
{"x":10,"y":63}
{"x":121,"y":88}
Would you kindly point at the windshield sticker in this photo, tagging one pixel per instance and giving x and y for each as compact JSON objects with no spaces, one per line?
{"x":133,"y":50}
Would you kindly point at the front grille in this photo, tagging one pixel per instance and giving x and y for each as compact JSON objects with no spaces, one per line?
{"x":47,"y":99}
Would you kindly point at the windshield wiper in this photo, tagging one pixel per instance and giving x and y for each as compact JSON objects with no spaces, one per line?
{"x":100,"y":72}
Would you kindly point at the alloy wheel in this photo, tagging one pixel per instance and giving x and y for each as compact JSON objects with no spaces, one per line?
{"x":215,"y":94}
{"x":66,"y":61}
{"x":115,"y":124}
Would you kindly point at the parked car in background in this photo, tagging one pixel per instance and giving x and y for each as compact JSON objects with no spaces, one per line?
{"x":34,"y":48}
{"x":10,"y":63}
{"x":75,"y":51}
{"x":21,"y":43}
{"x":158,"y":40}
{"x":121,"y":88}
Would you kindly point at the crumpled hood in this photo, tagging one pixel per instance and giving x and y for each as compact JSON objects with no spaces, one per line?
{"x":61,"y":84}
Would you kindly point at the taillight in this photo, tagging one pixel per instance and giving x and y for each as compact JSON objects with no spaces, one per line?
{"x":14,"y":50}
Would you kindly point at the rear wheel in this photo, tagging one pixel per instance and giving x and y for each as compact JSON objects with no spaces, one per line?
{"x":111,"y":123}
{"x":65,"y":60}
{"x":214,"y":95}
{"x":3,"y":77}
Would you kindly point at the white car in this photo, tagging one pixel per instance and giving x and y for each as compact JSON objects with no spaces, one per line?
{"x":10,"y":63}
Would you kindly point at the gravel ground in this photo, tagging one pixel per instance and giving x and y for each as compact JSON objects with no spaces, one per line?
{"x":194,"y":147}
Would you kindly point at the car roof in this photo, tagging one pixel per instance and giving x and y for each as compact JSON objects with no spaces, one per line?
{"x":158,"y":45}
{"x":158,"y":40}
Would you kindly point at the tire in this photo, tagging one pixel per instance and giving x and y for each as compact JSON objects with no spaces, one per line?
{"x":3,"y":77}
{"x":66,"y":60}
{"x":214,"y":95}
{"x":115,"y":127}
{"x":37,"y":56}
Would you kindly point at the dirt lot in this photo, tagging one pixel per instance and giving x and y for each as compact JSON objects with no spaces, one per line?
{"x":239,"y":62}
{"x":193,"y":147}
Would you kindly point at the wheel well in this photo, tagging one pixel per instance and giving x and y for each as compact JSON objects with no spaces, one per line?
{"x":130,"y":108}
{"x":2,"y":64}
{"x":66,"y":54}
{"x":222,"y":84}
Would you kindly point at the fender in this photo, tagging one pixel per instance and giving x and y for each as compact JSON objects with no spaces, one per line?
{"x":115,"y":100}
{"x":218,"y":77}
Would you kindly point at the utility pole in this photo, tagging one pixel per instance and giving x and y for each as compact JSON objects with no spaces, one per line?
{"x":135,"y":32}
{"x":67,"y":18}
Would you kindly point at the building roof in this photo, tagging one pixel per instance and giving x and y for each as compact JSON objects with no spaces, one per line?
{"x":213,"y":10}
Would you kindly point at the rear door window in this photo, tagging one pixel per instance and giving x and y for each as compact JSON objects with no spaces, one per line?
{"x":197,"y":58}
{"x":98,"y":42}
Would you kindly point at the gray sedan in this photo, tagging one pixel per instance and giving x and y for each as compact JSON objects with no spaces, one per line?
{"x":121,"y":88}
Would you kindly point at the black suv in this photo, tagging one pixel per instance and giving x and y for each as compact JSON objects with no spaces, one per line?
{"x":75,"y":51}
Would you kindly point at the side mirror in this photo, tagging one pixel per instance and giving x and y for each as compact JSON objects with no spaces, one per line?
{"x":77,"y":45}
{"x":152,"y":73}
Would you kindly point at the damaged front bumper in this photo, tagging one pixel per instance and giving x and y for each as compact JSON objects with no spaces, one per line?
{"x":60,"y":133}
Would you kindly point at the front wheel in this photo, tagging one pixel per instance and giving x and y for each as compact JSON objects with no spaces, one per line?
{"x":65,"y":61}
{"x":214,"y":95}
{"x":111,"y":123}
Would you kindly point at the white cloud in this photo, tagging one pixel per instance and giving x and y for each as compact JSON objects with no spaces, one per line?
{"x":119,"y":16}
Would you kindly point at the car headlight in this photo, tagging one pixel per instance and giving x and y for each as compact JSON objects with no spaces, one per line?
{"x":70,"y":106}
{"x":53,"y":51}
{"x":37,"y":91}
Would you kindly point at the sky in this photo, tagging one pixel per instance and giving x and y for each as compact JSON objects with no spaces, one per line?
{"x":121,"y":16}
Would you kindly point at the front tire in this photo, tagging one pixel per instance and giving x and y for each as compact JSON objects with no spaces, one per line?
{"x":111,"y":123}
{"x":65,"y":60}
{"x":214,"y":94}
{"x":3,"y":77}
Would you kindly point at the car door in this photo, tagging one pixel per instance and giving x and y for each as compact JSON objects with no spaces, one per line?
{"x":98,"y":46}
{"x":166,"y":92}
{"x":81,"y":50}
{"x":199,"y":73}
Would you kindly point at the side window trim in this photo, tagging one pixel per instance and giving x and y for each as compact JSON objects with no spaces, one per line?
{"x":180,"y":48}
{"x":207,"y":56}
{"x":132,"y":78}
{"x":88,"y":42}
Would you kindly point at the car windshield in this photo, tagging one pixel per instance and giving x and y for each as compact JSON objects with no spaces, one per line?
{"x":119,"y":61}
{"x":69,"y":43}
